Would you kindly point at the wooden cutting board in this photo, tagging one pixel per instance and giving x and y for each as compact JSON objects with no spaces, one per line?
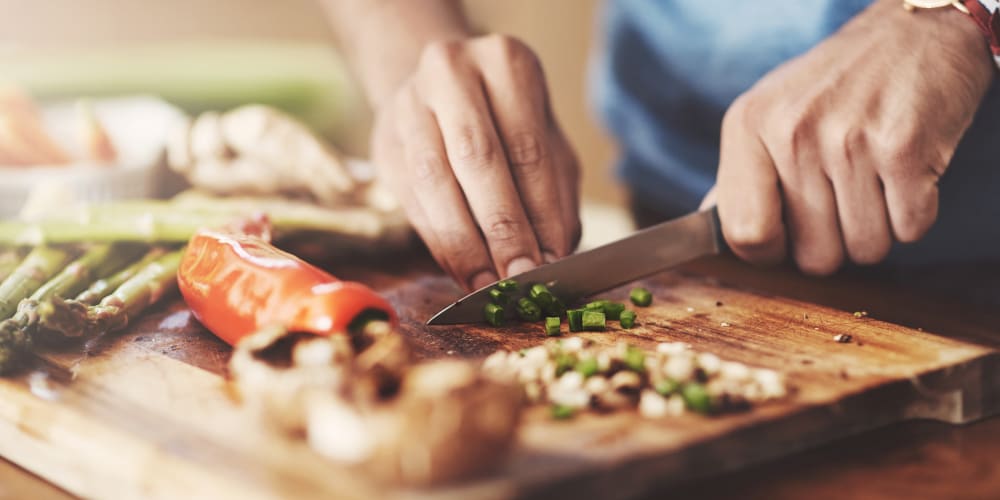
{"x":146,"y":414}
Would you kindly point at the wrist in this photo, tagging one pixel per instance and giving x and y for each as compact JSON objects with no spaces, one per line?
{"x":957,"y":31}
{"x":383,"y":39}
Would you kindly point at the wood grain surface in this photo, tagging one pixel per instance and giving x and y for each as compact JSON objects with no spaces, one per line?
{"x":144,"y":413}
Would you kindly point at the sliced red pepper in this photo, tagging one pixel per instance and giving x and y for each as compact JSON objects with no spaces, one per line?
{"x":237,"y":284}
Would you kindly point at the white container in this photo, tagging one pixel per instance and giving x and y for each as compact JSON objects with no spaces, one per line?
{"x":138,"y":127}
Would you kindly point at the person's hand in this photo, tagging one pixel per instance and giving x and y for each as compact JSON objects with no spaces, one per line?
{"x":839,"y":151}
{"x":470,"y":146}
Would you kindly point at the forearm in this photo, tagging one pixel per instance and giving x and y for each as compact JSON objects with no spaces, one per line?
{"x":382,"y":39}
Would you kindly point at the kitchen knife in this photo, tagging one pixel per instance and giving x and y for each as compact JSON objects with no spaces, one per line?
{"x":644,"y":253}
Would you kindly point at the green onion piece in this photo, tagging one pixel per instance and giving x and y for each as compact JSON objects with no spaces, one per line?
{"x":613,"y":310}
{"x":564,"y":363}
{"x":635,"y":359}
{"x":562,"y":412}
{"x":593,"y":321}
{"x":542,"y":296}
{"x":610,"y":309}
{"x":552,"y":326}
{"x":696,"y":397}
{"x":498,"y":297}
{"x":587,"y":367}
{"x":641,"y":297}
{"x":507,"y":285}
{"x":627,"y":319}
{"x":528,"y":310}
{"x":575,"y":318}
{"x":494,"y":314}
{"x":667,"y":387}
{"x":555,"y":307}
{"x":523,"y":352}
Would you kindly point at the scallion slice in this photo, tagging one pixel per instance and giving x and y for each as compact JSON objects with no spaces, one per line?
{"x":627,"y":319}
{"x":641,"y":297}
{"x":575,"y":319}
{"x":552,"y":326}
{"x":593,"y":321}
{"x":494,"y":314}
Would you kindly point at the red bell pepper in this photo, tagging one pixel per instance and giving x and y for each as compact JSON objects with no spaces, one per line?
{"x":237,"y":284}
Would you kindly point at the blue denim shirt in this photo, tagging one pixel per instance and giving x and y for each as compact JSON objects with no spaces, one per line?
{"x":671,"y":68}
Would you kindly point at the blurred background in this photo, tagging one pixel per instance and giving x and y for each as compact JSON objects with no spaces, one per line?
{"x":219,"y":54}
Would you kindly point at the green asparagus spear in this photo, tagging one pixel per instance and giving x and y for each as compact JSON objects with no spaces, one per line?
{"x":41,"y":264}
{"x":137,"y":293}
{"x":97,"y":262}
{"x":73,"y":318}
{"x":174,"y":222}
{"x":102,"y":287}
{"x":9,"y":261}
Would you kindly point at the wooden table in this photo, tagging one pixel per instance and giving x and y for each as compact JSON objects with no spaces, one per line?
{"x":912,"y":460}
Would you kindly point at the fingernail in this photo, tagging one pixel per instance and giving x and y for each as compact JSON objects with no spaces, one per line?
{"x":549,"y":257}
{"x":520,"y":265}
{"x":482,"y":279}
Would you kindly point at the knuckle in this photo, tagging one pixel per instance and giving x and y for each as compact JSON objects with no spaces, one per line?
{"x":503,"y":228}
{"x":427,"y":166}
{"x":474,"y":147}
{"x":508,"y":47}
{"x":525,"y":149}
{"x":442,"y":53}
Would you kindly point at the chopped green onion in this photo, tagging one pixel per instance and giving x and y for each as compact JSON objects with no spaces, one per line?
{"x":667,"y":387}
{"x":627,"y":319}
{"x":635,"y":359}
{"x":552,"y":326}
{"x":587,"y":367}
{"x":542,"y":296}
{"x":507,"y":285}
{"x":593,"y":321}
{"x":528,"y":310}
{"x":498,"y":297}
{"x":562,"y":412}
{"x":556,"y":308}
{"x":641,"y":297}
{"x":696,"y":397}
{"x":538,"y":289}
{"x":613,"y":310}
{"x":523,"y":352}
{"x":494,"y":314}
{"x":575,"y":318}
{"x":610,"y":309}
{"x":564,"y":363}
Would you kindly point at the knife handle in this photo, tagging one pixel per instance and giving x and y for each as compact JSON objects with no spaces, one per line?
{"x":720,"y":240}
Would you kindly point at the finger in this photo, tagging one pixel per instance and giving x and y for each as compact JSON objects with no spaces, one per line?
{"x":452,"y":231}
{"x":812,"y":216}
{"x":912,"y":202}
{"x":748,"y":193}
{"x":520,"y":110}
{"x":476,"y":156}
{"x":387,"y":157}
{"x":861,"y":207}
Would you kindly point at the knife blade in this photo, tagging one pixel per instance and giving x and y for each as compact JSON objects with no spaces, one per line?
{"x":644,"y":253}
